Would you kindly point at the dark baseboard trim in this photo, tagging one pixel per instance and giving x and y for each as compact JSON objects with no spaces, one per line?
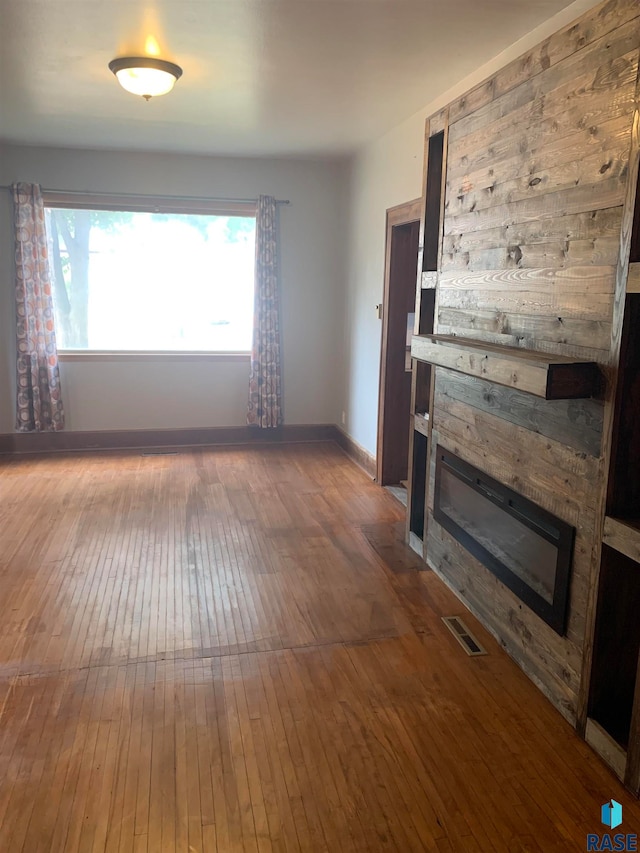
{"x":356,"y":452}
{"x":143,"y":439}
{"x":52,"y":442}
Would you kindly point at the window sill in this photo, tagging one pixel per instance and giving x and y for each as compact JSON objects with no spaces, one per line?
{"x":150,"y":355}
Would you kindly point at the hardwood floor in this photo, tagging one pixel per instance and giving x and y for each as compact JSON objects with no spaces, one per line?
{"x":231,"y":650}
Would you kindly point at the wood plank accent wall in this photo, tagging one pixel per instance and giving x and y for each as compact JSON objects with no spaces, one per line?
{"x":537,"y":170}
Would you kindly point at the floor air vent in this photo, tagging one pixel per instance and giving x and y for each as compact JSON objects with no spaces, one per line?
{"x":159,"y":453}
{"x":463,"y":635}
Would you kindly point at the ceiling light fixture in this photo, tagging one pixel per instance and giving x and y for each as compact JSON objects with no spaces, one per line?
{"x":145,"y":75}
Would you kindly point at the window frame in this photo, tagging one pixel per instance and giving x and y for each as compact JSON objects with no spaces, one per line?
{"x":150,"y":204}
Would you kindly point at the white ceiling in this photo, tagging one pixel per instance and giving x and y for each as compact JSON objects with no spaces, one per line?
{"x":261,"y":77}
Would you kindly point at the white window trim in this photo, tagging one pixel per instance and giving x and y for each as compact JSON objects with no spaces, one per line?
{"x":149,"y":204}
{"x":150,"y":355}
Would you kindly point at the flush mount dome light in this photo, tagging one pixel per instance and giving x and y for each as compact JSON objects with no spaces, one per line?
{"x":145,"y":75}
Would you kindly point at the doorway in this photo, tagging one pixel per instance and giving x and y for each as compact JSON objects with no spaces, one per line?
{"x":401,"y":266}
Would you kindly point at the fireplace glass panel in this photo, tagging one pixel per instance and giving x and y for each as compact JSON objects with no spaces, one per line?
{"x":518,"y":547}
{"x":525,"y":546}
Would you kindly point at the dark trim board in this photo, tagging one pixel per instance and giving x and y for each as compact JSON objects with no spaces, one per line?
{"x":394,"y":397}
{"x":60,"y":442}
{"x":355,"y":452}
{"x":48,"y":442}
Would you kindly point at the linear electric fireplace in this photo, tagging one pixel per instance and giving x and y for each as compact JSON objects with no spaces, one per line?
{"x":525,"y":546}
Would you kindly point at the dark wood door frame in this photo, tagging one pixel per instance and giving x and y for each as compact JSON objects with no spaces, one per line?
{"x":401,"y":214}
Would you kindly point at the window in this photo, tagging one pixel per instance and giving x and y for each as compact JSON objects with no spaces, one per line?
{"x":126,"y":278}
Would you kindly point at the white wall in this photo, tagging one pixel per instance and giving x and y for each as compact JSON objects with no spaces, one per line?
{"x":385,"y":173}
{"x":146,"y":395}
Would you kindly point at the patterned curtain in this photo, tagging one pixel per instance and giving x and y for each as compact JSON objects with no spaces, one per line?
{"x":265,"y":379}
{"x":39,"y":401}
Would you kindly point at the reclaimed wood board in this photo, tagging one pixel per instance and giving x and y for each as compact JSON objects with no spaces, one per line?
{"x":574,"y":423}
{"x":624,"y":536}
{"x":633,"y":279}
{"x":595,"y":24}
{"x":584,"y":332}
{"x":548,"y":376}
{"x":593,"y":225}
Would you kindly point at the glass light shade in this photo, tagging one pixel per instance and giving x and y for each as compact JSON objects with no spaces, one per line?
{"x":145,"y":76}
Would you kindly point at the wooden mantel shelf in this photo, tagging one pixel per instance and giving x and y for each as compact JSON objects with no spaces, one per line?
{"x":551,"y":377}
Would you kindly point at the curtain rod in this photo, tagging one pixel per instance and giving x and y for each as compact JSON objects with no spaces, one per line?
{"x":147,"y":196}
